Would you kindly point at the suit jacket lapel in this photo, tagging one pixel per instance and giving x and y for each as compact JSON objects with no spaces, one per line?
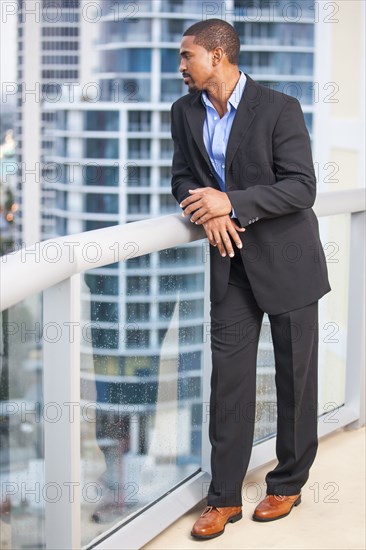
{"x":196,"y":115}
{"x":243,"y":118}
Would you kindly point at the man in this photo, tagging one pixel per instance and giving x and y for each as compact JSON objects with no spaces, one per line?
{"x":243,"y":169}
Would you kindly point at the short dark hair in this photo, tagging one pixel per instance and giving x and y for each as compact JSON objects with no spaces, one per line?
{"x":214,"y":33}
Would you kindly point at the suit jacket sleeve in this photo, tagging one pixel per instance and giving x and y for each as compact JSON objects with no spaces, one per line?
{"x":183,"y":178}
{"x":294,"y":188}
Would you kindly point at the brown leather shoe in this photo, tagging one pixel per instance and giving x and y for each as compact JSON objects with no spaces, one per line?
{"x":275,"y":507}
{"x":212,"y":521}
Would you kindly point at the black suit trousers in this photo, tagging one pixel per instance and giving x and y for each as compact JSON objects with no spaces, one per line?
{"x":235,"y":327}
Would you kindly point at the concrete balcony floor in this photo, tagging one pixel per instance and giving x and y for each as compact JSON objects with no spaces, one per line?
{"x":331,"y":515}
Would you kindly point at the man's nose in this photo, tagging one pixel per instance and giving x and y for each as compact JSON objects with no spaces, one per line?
{"x":182,"y":66}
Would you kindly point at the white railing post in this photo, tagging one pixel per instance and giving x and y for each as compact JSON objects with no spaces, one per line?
{"x":355,"y":372}
{"x":61,"y":350}
{"x":207,"y":367}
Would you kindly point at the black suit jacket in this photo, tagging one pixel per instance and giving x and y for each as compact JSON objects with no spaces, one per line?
{"x":271,"y":184}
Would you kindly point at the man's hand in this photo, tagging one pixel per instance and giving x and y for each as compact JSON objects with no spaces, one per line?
{"x":205,"y":203}
{"x":219,"y":230}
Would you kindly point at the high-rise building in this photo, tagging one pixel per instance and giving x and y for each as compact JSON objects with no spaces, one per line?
{"x":50,"y":34}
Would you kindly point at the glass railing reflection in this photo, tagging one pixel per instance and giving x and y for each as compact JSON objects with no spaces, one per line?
{"x":141,"y":386}
{"x":22,"y":416}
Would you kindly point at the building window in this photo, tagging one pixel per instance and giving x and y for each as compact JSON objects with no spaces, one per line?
{"x":171,"y":89}
{"x":181,"y":256}
{"x":61,"y":200}
{"x":138,"y":148}
{"x":101,"y":148}
{"x":46,"y":145}
{"x":165,"y":176}
{"x":61,"y":226}
{"x":169,"y":60}
{"x":61,"y":74}
{"x":90,"y":225}
{"x":138,"y":312}
{"x":138,"y":285}
{"x":169,"y":284}
{"x":138,"y":204}
{"x":137,"y":176}
{"x":127,"y":60}
{"x":166,"y":310}
{"x":52,"y":91}
{"x":60,"y":146}
{"x":168,"y":204}
{"x":94,"y":174}
{"x":103,"y":338}
{"x":107,"y":121}
{"x":126,"y":90}
{"x":137,"y":338}
{"x":104,"y":203}
{"x":189,"y":388}
{"x":309,"y":121}
{"x":104,"y":312}
{"x":166,"y":148}
{"x":191,"y":309}
{"x":49,"y":117}
{"x":61,"y":120}
{"x":303,"y":91}
{"x":126,"y":30}
{"x":60,"y":31}
{"x":139,"y":262}
{"x":165,"y":121}
{"x":61,"y":45}
{"x":187,"y":335}
{"x":102,"y":284}
{"x":172,"y":29}
{"x":60,"y":59}
{"x":277,"y":62}
{"x":139,"y":121}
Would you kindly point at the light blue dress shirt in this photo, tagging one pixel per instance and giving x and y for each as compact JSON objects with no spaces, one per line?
{"x":216,"y":130}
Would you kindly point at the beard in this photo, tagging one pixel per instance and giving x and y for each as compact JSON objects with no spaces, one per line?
{"x":192,"y":86}
{"x":192,"y":89}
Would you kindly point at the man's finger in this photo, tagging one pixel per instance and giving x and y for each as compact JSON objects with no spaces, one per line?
{"x":241,"y":229}
{"x":219,"y":243}
{"x":235,"y":237}
{"x":227,"y":243}
{"x":204,"y":218}
{"x":195,"y":191}
{"x":189,"y":200}
{"x":189,"y":209}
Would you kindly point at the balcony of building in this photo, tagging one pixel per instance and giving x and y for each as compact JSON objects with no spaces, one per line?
{"x":331,"y":515}
{"x":99,"y":453}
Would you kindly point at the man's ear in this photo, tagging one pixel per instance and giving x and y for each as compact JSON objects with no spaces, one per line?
{"x":217,"y":55}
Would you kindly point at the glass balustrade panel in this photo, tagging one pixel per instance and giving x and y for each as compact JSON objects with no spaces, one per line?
{"x":333,"y":317}
{"x":22,"y":416}
{"x":141,"y":383}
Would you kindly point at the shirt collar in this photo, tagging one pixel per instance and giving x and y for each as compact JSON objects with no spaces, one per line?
{"x":235,"y":97}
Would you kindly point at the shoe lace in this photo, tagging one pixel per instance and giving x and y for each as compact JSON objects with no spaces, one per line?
{"x":209,"y":509}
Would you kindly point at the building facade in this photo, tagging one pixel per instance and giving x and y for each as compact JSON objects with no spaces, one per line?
{"x":50,"y":37}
